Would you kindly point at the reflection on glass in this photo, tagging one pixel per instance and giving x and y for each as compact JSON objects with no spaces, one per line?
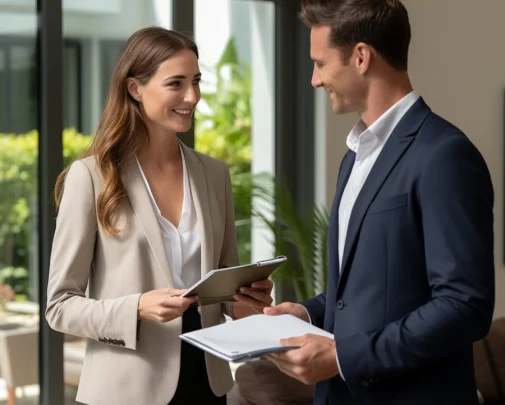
{"x":234,"y":120}
{"x":3,"y":78}
{"x":23,"y":96}
{"x":18,"y":206}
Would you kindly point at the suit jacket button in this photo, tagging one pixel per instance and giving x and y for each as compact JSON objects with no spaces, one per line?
{"x":340,"y":304}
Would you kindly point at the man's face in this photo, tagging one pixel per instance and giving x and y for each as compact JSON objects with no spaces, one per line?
{"x":340,"y":79}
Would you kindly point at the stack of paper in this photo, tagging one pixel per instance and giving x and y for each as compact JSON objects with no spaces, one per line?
{"x":251,"y":337}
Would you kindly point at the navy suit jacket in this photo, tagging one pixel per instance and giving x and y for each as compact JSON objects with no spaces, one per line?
{"x":416,"y":287}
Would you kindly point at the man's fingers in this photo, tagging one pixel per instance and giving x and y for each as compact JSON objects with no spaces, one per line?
{"x":294,"y":341}
{"x":272,"y":311}
{"x":282,"y":365}
{"x":284,"y":308}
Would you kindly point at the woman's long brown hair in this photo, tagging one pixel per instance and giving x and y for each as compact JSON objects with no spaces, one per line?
{"x":122,"y":132}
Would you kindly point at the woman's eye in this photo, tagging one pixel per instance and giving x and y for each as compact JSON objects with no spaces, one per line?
{"x":174,"y":84}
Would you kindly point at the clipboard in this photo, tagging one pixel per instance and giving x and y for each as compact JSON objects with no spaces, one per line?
{"x":220,"y":285}
{"x":250,"y":337}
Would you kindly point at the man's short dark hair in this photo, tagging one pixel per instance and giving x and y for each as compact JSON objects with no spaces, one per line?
{"x":382,"y":24}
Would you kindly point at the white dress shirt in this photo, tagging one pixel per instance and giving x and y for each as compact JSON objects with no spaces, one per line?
{"x":182,"y":244}
{"x":367,"y":143}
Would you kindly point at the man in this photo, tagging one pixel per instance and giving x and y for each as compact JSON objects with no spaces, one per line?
{"x":411,"y":281}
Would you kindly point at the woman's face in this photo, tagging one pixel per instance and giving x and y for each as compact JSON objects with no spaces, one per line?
{"x":168,"y":100}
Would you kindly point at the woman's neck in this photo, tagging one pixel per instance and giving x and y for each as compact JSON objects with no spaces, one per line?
{"x":161,"y":150}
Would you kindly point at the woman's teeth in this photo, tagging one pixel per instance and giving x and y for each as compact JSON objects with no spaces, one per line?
{"x":183,"y":112}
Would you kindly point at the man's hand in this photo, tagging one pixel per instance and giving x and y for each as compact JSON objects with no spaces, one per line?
{"x":314,"y":361}
{"x":251,"y":300}
{"x":163,"y":305}
{"x":290,"y":308}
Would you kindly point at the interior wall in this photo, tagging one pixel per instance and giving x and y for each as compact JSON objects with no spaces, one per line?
{"x":457,"y":64}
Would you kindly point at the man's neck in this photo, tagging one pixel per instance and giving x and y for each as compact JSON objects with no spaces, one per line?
{"x":382,"y":95}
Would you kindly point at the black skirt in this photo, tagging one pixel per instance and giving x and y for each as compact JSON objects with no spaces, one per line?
{"x":193,"y":387}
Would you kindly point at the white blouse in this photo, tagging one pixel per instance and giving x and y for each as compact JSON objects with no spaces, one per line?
{"x":182,"y":244}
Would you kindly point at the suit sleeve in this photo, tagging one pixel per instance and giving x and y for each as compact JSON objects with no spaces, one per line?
{"x":229,"y":253}
{"x":68,"y":310}
{"x":456,"y":202}
{"x":316,"y":308}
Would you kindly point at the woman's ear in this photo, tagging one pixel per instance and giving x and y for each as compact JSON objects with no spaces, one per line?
{"x":134,"y":88}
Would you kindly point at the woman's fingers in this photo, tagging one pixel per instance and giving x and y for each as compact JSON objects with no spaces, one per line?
{"x":262,"y":296}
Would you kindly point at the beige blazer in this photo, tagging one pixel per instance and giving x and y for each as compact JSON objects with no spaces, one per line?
{"x":124,"y":365}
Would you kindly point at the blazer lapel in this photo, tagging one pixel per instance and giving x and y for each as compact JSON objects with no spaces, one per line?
{"x":198,"y":185}
{"x":144,"y":211}
{"x":396,"y":145}
{"x":343,"y":177}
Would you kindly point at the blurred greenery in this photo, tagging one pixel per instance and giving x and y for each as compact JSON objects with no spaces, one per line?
{"x":18,"y":197}
{"x":223,"y":130}
{"x":225,"y":133}
{"x":17,"y":278}
{"x":301,"y":236}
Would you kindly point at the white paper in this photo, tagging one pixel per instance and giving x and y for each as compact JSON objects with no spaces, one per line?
{"x":251,"y":337}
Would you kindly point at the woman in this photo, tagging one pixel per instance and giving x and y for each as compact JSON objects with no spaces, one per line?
{"x":142,"y":217}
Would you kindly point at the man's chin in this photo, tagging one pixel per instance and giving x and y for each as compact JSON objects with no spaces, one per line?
{"x":338,"y":109}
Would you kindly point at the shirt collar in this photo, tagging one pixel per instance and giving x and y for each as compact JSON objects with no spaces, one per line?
{"x":363,"y":140}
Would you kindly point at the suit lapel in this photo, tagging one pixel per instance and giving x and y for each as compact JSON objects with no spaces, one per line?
{"x":343,"y":177}
{"x":198,"y":185}
{"x":393,"y":150}
{"x":144,"y":211}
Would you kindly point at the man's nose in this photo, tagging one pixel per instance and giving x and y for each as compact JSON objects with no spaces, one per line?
{"x":316,"y":81}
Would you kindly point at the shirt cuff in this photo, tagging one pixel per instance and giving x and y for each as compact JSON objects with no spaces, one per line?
{"x":310,"y":320}
{"x":338,"y":365}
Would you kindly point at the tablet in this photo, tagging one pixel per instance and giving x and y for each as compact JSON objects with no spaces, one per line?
{"x":221,"y":285}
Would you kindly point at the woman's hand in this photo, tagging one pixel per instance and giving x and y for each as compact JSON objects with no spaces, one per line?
{"x":163,"y":305}
{"x":252,"y":300}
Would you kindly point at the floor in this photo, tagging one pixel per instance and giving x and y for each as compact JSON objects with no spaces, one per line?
{"x":29,"y":396}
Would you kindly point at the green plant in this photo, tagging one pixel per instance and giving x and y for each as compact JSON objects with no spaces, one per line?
{"x":18,"y":195}
{"x":225,"y":133}
{"x":223,"y":130}
{"x":302,"y":236}
{"x":17,"y":278}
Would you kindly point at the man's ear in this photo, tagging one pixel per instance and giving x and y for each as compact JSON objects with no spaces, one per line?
{"x":363,"y":57}
{"x":134,"y":88}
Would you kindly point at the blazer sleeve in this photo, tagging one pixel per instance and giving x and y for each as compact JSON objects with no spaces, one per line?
{"x":456,"y":202}
{"x":316,"y":308}
{"x":229,"y":253}
{"x":112,"y":321}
